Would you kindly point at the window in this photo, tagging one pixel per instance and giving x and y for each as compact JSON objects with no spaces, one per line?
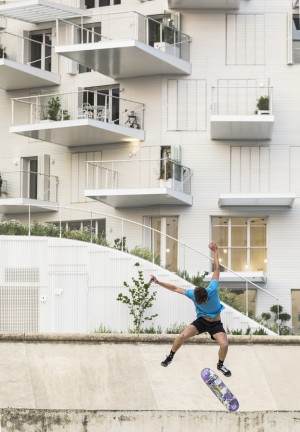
{"x":99,"y":3}
{"x":296,"y":39}
{"x":96,"y":226}
{"x":35,"y":178}
{"x":157,"y":241}
{"x":242,"y":243}
{"x":105,"y":101}
{"x":40,"y":48}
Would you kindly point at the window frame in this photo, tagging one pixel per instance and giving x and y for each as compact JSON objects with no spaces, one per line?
{"x":230,"y":248}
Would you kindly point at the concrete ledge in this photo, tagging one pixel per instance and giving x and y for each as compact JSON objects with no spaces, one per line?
{"x":143,"y":338}
{"x":34,"y":420}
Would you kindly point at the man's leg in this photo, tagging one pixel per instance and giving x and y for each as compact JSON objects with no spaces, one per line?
{"x":222,"y":340}
{"x":187,"y":333}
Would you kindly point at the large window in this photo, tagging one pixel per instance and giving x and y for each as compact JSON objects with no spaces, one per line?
{"x":159,"y":240}
{"x":242,"y":243}
{"x":40,"y":49}
{"x":104,"y":97}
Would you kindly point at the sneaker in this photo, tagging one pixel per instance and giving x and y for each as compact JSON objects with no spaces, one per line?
{"x":224,"y":370}
{"x":168,"y":360}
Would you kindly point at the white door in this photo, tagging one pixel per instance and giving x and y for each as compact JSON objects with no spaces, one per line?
{"x":69,"y":302}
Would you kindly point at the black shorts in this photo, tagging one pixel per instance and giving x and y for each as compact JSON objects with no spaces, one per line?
{"x":212,"y":327}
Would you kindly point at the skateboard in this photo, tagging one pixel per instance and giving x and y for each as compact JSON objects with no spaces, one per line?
{"x":220,"y":389}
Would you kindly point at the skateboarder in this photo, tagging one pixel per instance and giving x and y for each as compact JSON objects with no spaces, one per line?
{"x":208,"y":309}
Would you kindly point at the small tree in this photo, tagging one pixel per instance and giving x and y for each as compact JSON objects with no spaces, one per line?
{"x":139,"y":300}
{"x":280,"y":317}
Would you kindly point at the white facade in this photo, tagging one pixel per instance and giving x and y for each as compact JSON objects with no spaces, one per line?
{"x":194,"y":91}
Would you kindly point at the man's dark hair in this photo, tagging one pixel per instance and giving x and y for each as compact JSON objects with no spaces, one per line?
{"x":200,"y":295}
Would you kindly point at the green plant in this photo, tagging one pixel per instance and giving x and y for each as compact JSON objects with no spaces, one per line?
{"x":263,"y":103}
{"x":145,"y":253}
{"x":2,"y":52}
{"x":175,"y":328}
{"x":148,"y":330}
{"x":120,"y":244}
{"x":54,"y":109}
{"x":103,"y":329}
{"x":2,"y":192}
{"x":260,"y":331}
{"x":266,"y":316}
{"x":139,"y":300}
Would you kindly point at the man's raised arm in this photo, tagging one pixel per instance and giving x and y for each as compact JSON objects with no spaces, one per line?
{"x":214,"y":247}
{"x":167,"y":285}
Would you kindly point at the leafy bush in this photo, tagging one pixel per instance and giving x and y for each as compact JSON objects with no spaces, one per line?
{"x":176,"y":328}
{"x":145,"y":253}
{"x":12,"y":227}
{"x":139,"y":300}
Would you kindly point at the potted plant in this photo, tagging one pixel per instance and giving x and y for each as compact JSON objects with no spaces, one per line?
{"x":2,"y":52}
{"x":263,"y":104}
{"x":2,"y":186}
{"x":53,"y":109}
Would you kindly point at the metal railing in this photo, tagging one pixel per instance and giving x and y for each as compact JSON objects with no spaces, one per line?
{"x":141,"y":173}
{"x":20,"y":48}
{"x":127,"y":236}
{"x":127,"y":26}
{"x":29,"y":184}
{"x":75,"y":105}
{"x":237,"y":100}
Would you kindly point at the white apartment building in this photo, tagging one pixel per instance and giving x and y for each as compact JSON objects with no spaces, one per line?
{"x":179,"y":115}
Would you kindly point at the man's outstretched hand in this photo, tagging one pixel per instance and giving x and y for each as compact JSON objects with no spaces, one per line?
{"x":153,"y":279}
{"x":213,"y":246}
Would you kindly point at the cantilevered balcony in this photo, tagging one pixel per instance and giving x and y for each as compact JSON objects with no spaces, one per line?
{"x":78,"y":119}
{"x":242,"y":113}
{"x":40,"y":11}
{"x":130,"y":45}
{"x":139,"y":183}
{"x":26,"y":63}
{"x":257,"y":200}
{"x":204,"y":4}
{"x":22,"y":188}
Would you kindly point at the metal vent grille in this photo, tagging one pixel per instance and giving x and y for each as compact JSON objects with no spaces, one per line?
{"x":17,"y":274}
{"x":19,"y":309}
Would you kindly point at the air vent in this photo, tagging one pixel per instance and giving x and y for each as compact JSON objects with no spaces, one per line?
{"x":19,"y":309}
{"x":17,"y":274}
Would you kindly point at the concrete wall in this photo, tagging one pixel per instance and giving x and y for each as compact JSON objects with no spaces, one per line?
{"x":20,"y":420}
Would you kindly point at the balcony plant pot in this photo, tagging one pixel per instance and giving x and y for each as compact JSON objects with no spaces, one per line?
{"x":263,"y":105}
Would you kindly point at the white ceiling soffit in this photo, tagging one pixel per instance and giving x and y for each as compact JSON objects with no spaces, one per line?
{"x":38,"y":11}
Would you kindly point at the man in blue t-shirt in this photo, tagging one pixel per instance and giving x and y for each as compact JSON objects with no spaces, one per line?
{"x":208,"y":309}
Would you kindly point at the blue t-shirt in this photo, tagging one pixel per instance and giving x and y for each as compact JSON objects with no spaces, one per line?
{"x":213,"y":306}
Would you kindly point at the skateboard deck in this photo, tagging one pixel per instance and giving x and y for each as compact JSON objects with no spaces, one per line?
{"x":220,"y":389}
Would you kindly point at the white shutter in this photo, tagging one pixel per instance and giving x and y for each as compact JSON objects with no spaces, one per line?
{"x":172,"y":105}
{"x":289,"y":39}
{"x":44,"y":184}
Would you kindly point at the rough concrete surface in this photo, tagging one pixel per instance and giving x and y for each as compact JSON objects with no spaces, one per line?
{"x":82,"y":383}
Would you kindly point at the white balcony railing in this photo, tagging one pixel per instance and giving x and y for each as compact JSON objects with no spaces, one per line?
{"x":27,"y":51}
{"x":127,"y":26}
{"x":29,"y":184}
{"x":236,"y":100}
{"x":142,"y":173}
{"x":75,"y":106}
